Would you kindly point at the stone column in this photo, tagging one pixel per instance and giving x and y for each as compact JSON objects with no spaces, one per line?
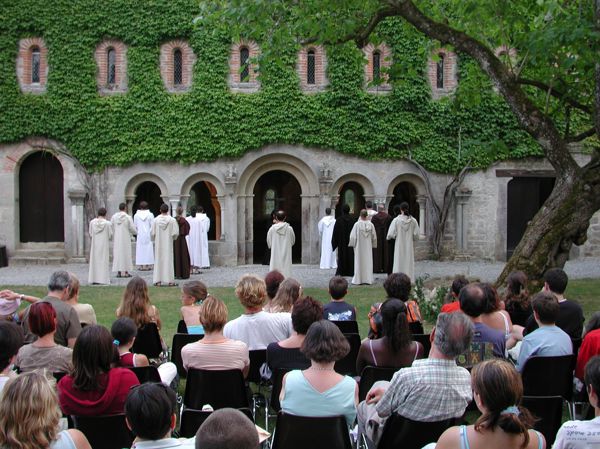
{"x":325,"y":181}
{"x":129,"y":200}
{"x":462,"y":196}
{"x":174,"y":202}
{"x":184,"y":201}
{"x":78,"y":227}
{"x":310,"y":234}
{"x":220,"y":229}
{"x":422,"y":200}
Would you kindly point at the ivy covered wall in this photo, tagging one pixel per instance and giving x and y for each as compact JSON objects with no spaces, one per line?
{"x":150,"y":124}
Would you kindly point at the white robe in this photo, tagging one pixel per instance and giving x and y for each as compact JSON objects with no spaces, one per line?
{"x":144,"y":250}
{"x":280,"y":239}
{"x":363,"y":239}
{"x":205,"y":226}
{"x":164,"y":230}
{"x":404,"y":229}
{"x":328,"y":256}
{"x":370,"y":213}
{"x":123,"y":229}
{"x":101,"y":233}
{"x":197,"y":240}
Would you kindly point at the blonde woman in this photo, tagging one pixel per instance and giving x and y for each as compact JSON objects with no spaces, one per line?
{"x":287,"y":294}
{"x":30,"y":416}
{"x":136,"y":305}
{"x":85,"y":312}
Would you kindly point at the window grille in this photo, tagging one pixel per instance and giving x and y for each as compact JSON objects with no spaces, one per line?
{"x":376,"y":66}
{"x":177,"y":67}
{"x":244,"y":65}
{"x":35,"y":65}
{"x":310,"y":67}
{"x":440,"y":72}
{"x":111,"y":72}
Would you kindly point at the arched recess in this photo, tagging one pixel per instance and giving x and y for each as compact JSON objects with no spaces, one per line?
{"x":361,"y":186}
{"x":352,"y":194}
{"x":405,"y":191}
{"x":204,"y":190}
{"x":146,"y":187}
{"x":41,"y":198}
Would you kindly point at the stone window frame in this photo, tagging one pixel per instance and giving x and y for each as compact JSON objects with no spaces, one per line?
{"x":101,"y":57}
{"x":450,"y":73}
{"x":385,"y":63}
{"x":235,"y":83}
{"x":24,"y":65}
{"x":167,"y":65}
{"x":321,"y":81}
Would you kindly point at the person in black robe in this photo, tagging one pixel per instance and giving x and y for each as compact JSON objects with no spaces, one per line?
{"x":383,"y":254}
{"x":339,"y":239}
{"x":181,"y":255}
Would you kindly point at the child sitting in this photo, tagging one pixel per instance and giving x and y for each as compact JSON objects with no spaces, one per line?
{"x":338,"y":309}
{"x":192,"y":295}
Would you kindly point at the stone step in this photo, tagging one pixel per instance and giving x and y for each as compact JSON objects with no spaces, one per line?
{"x":38,"y":257}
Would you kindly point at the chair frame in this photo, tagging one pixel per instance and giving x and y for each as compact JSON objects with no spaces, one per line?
{"x":306,"y":433}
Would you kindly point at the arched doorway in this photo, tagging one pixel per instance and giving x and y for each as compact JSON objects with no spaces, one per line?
{"x":41,"y":203}
{"x":276,"y":190}
{"x":150,"y":192}
{"x":204,"y":194}
{"x":405,"y":191}
{"x":352,"y":194}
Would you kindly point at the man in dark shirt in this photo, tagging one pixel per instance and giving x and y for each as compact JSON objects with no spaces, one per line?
{"x":338,"y":309}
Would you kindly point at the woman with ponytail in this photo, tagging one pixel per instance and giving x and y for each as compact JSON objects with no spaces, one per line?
{"x":503,"y":424}
{"x":396,"y":348}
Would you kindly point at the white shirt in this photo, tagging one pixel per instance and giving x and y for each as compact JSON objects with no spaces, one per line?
{"x":578,"y":435}
{"x":184,"y":443}
{"x":259,"y":329}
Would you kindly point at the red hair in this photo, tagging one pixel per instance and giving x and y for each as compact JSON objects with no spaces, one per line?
{"x":42,"y":318}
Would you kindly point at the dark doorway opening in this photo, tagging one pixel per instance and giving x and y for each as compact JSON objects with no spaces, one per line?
{"x":149,"y":192}
{"x":525,"y":198}
{"x":276,"y":190}
{"x":353,"y":195}
{"x":204,"y":194}
{"x":405,"y":191}
{"x":41,"y":203}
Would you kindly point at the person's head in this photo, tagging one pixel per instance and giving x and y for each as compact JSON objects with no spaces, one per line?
{"x":556,"y":280}
{"x":369,"y":205}
{"x":397,"y":285}
{"x":457,"y":284}
{"x":122,"y":207}
{"x":164,"y":208}
{"x":123,"y":331}
{"x":516,"y":284}
{"x":273,"y":280}
{"x":29,"y":412}
{"x":213,"y":314}
{"x":92,"y":355}
{"x":135,"y":303}
{"x":59,"y":282}
{"x":227,"y":428}
{"x":102,"y":212}
{"x":251,"y":291}
{"x":193,"y":292}
{"x":381,"y":207}
{"x":280,"y":215}
{"x":472,"y":300}
{"x":395,"y":324}
{"x":498,"y":390}
{"x":491,"y":298}
{"x":328,"y":211}
{"x":193,"y":211}
{"x":592,"y":379}
{"x":200,"y":209}
{"x":338,"y":287}
{"x":42,"y":318}
{"x":11,"y":339}
{"x":179,"y":211}
{"x":143,"y":205}
{"x":404,"y":209}
{"x":453,"y":334}
{"x":305,"y":312}
{"x":73,"y":291}
{"x":593,"y":323}
{"x":150,"y":411}
{"x":396,"y":209}
{"x":364,"y":214}
{"x":287,"y":294}
{"x":324,"y":343}
{"x":545,"y":307}
{"x":345,"y":209}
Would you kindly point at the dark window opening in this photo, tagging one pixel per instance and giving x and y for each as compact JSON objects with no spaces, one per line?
{"x":111,"y":72}
{"x":310,"y":67}
{"x":35,"y":65}
{"x":244,"y":65}
{"x":440,"y":72}
{"x":177,"y":67}
{"x":376,"y":66}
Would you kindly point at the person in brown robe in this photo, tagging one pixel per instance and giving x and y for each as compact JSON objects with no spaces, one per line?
{"x":383,"y":254}
{"x":181,"y":255}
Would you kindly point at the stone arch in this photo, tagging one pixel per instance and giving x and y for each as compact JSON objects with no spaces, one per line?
{"x":415,"y":180}
{"x":135,"y":182}
{"x":413,"y":188}
{"x":364,"y":182}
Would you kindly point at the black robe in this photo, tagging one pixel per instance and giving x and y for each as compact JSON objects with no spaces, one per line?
{"x":383,"y":255}
{"x":181,"y":255}
{"x":339,"y":239}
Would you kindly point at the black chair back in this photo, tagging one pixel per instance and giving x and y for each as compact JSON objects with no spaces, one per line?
{"x":408,"y":434}
{"x":347,"y":327}
{"x":220,"y":389}
{"x":276,"y":379}
{"x":549,"y":376}
{"x":179,"y":341}
{"x":147,"y":341}
{"x":104,"y":432}
{"x":576,"y":342}
{"x":301,"y":432}
{"x":347,"y":365}
{"x":370,"y":375}
{"x":182,"y":327}
{"x":424,"y":340}
{"x":257,"y":358}
{"x":191,"y":420}
{"x":146,"y":373}
{"x":548,"y":411}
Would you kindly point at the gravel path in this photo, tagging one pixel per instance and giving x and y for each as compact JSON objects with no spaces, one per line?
{"x":308,"y":275}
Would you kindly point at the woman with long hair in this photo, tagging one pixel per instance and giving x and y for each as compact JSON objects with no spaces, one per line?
{"x":516,"y":299}
{"x":496,"y":317}
{"x":287,"y":294}
{"x":136,"y":305}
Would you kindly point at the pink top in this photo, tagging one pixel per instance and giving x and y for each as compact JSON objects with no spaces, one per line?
{"x":230,"y":354}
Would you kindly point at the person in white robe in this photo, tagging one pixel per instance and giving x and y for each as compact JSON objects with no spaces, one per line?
{"x":123,"y":230}
{"x":144,"y":249}
{"x":205,"y":226}
{"x":100,"y":232}
{"x":280,"y":240}
{"x":164,"y":230}
{"x":370,"y":210}
{"x":328,"y":255}
{"x":193,"y":239}
{"x":404,"y":229}
{"x":363,"y":239}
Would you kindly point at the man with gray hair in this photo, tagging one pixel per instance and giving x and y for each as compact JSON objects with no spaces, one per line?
{"x":432,"y":389}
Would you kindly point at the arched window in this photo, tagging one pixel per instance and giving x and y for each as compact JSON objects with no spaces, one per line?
{"x":35,"y":65}
{"x":310,"y":67}
{"x":177,"y":67}
{"x":244,"y":64}
{"x":376,"y":65}
{"x":111,"y":66}
{"x":269,"y":201}
{"x":440,"y":72}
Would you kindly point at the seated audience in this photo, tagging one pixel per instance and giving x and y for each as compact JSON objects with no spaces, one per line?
{"x":516,"y":300}
{"x":548,"y":340}
{"x":151,"y":414}
{"x":10,"y":303}
{"x":44,"y":352}
{"x":375,"y":321}
{"x":397,"y":285}
{"x":287,"y":294}
{"x":215,"y":351}
{"x":192,"y":295}
{"x":227,"y":428}
{"x":85,"y":312}
{"x":319,"y":390}
{"x":30,"y":417}
{"x":136,"y":305}
{"x":273,"y":280}
{"x":11,"y":339}
{"x":432,"y":389}
{"x":584,"y":434}
{"x":590,"y":346}
{"x":496,"y":318}
{"x":498,"y":390}
{"x":286,"y":354}
{"x":338,"y":309}
{"x":473,"y":303}
{"x":396,"y":348}
{"x":255,"y":327}
{"x":454,"y":305}
{"x":93,"y":388}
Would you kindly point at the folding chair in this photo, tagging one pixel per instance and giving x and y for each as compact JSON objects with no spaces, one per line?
{"x":181,"y":327}
{"x":179,"y":341}
{"x":408,"y":434}
{"x":347,"y":365}
{"x":191,"y":420}
{"x":258,"y":357}
{"x":276,"y":379}
{"x":370,"y":375}
{"x":148,"y":341}
{"x":146,"y":373}
{"x":220,"y":389}
{"x":548,"y":410}
{"x":302,"y":432}
{"x":424,"y":340}
{"x":347,"y":327}
{"x":104,"y":432}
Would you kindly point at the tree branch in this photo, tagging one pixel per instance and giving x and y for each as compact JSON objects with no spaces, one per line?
{"x":582,"y":136}
{"x":555,"y":93}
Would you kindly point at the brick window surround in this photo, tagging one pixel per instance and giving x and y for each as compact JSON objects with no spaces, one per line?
{"x":167,"y":65}
{"x":235,"y":83}
{"x":24,"y":65}
{"x":320,"y":61}
{"x":385,"y":62}
{"x":101,"y":56}
{"x":450,"y":73}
